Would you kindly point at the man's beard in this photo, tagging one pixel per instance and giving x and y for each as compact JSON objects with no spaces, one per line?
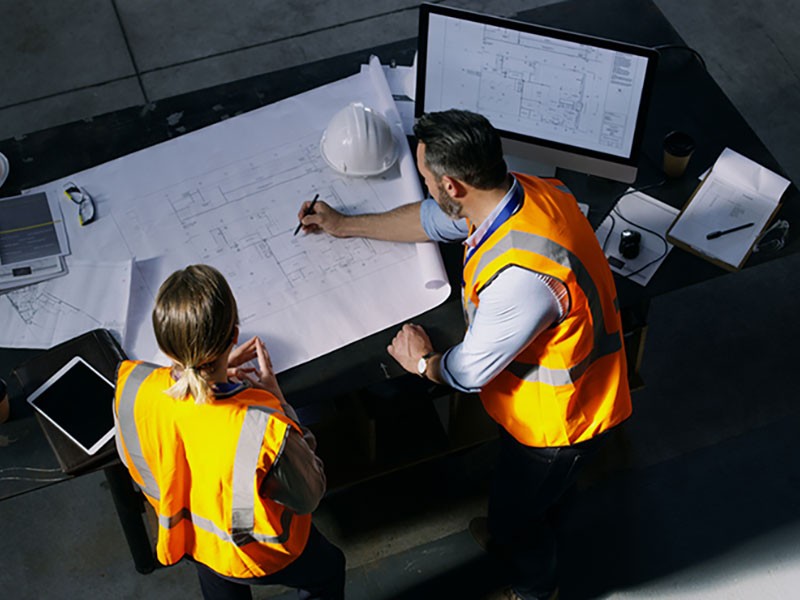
{"x":451,"y":207}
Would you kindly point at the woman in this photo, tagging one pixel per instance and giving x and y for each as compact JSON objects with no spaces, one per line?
{"x":220,"y":454}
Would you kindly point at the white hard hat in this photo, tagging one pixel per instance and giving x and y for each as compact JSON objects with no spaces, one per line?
{"x":358,"y":141}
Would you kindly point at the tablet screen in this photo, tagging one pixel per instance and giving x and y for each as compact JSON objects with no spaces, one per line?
{"x":78,"y":400}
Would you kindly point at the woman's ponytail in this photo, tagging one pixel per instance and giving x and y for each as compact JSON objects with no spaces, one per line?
{"x":192,"y":384}
{"x":195,"y":320}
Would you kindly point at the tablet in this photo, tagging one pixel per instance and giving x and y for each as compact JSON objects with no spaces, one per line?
{"x":79,"y":401}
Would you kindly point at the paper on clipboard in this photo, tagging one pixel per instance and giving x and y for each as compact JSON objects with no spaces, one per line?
{"x":736,"y":192}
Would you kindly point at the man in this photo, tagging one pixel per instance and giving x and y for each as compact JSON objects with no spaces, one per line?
{"x":543,"y":346}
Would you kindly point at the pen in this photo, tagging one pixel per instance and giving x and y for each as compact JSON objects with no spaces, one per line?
{"x":308,"y":211}
{"x":715,"y":234}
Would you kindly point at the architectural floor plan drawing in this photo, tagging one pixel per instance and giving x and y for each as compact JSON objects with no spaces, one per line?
{"x":246,"y":214}
{"x":229,"y":196}
{"x":553,"y":89}
{"x":44,"y":314}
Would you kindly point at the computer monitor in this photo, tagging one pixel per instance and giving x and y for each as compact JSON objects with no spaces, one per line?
{"x":559,"y":98}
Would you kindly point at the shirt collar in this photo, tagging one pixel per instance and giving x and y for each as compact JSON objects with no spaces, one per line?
{"x":480,"y":231}
{"x":228,"y":389}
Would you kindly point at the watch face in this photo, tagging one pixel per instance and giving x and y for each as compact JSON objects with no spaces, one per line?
{"x":422,"y":366}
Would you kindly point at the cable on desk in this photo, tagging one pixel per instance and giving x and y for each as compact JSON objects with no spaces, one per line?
{"x":617,"y":199}
{"x":620,"y":215}
{"x":33,"y":470}
{"x":42,"y":479}
{"x":682,"y":47}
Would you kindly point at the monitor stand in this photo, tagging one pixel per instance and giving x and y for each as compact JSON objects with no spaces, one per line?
{"x":529,"y":166}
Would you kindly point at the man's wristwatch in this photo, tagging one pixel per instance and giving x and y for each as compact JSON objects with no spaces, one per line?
{"x":422,"y":365}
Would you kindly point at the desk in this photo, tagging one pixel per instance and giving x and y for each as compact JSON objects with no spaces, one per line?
{"x":685,"y":97}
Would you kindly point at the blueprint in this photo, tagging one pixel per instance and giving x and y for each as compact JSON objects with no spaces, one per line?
{"x":549,"y":88}
{"x":229,"y":195}
{"x":94,"y":294}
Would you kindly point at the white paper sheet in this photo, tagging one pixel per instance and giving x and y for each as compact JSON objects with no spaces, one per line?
{"x":402,"y":84}
{"x":94,"y":294}
{"x":228,"y":195}
{"x":637,"y":212}
{"x":736,"y":192}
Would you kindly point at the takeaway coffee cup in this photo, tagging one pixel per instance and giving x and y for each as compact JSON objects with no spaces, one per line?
{"x":678,"y":148}
{"x":4,"y":404}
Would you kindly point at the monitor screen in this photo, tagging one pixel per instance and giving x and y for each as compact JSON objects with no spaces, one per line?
{"x":564,"y":99}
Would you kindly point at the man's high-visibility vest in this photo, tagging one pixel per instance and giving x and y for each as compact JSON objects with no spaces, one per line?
{"x":201,"y":467}
{"x":570,"y":383}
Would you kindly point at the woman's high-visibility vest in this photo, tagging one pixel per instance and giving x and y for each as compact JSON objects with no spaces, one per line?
{"x":201,"y":467}
{"x":570,"y":383}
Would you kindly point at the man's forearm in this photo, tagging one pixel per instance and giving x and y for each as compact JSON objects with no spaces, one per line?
{"x":401,"y":224}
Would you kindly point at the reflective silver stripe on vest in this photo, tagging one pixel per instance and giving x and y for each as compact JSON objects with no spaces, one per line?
{"x":237,"y":539}
{"x":118,"y":441}
{"x":555,"y":377}
{"x":248,"y":450}
{"x":604,"y":343}
{"x":128,"y":426}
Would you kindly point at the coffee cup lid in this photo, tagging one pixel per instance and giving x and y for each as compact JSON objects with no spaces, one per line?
{"x":678,"y":143}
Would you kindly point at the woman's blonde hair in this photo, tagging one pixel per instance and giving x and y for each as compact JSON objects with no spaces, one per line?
{"x":195,"y":320}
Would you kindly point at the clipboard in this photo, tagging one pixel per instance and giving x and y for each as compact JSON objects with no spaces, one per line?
{"x":737,"y":197}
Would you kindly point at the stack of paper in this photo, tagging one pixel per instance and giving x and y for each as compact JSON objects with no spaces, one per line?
{"x":33,"y":240}
{"x":729,"y":210}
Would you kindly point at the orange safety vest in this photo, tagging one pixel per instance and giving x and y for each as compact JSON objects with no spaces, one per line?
{"x":201,"y":467}
{"x":570,"y":383}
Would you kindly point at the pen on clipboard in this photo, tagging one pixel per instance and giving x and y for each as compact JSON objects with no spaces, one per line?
{"x":308,"y":211}
{"x":715,"y":234}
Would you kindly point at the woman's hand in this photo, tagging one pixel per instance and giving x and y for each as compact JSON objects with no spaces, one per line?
{"x":264,"y":377}
{"x":239,"y":356}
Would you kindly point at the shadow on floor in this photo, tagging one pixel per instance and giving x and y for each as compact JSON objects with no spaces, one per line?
{"x":638,"y":526}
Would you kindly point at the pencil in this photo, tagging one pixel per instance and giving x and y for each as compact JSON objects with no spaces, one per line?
{"x":308,"y":211}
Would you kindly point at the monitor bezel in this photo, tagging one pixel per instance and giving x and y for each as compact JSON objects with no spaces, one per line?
{"x":650,"y":54}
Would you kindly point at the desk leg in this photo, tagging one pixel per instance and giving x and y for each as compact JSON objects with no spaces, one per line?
{"x":129,"y":509}
{"x":634,"y":326}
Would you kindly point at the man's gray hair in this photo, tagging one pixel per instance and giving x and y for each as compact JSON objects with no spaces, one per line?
{"x":463,"y":145}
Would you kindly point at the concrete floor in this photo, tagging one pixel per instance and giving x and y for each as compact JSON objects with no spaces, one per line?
{"x":708,"y":505}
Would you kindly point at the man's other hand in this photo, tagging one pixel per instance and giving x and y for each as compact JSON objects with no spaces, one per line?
{"x":409,"y":345}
